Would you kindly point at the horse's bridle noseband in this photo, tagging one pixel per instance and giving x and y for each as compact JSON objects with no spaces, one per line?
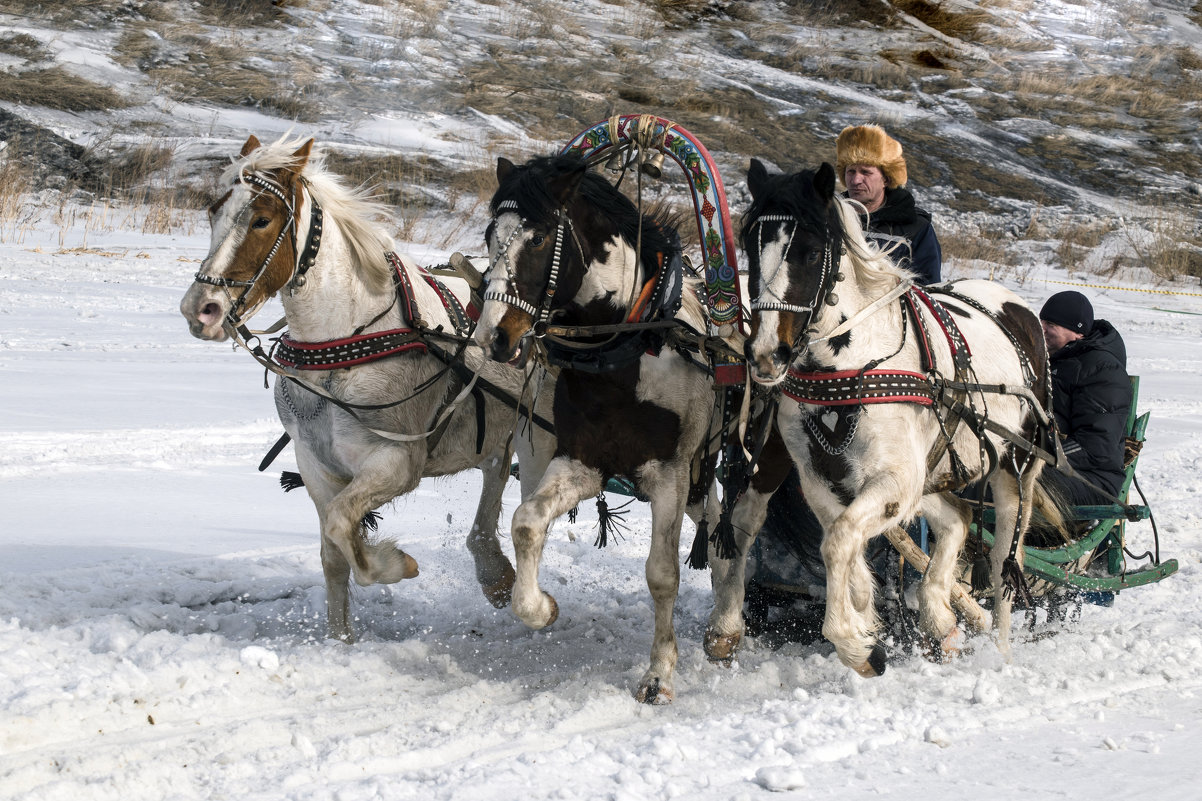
{"x":306,"y":259}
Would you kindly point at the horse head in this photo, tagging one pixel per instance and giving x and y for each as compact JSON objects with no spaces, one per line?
{"x":561,"y":248}
{"x":792,"y":236}
{"x":259,"y":226}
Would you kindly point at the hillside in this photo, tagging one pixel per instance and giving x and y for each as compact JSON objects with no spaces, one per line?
{"x":1071,"y":126}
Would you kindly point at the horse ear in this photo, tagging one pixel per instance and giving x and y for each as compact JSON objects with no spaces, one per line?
{"x":301,"y":156}
{"x":504,"y":167}
{"x":252,"y":144}
{"x":757,"y":178}
{"x":824,"y":182}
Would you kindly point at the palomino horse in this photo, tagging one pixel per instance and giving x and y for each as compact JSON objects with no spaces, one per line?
{"x":568,"y":277}
{"x":892,"y":398}
{"x":368,"y":388}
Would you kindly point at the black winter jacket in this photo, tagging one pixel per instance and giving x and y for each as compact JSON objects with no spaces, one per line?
{"x":1091,"y":399}
{"x":904,"y":230}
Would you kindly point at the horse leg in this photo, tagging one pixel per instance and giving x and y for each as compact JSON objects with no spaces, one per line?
{"x":493,"y":570}
{"x":1006,"y":499}
{"x":334,"y":566}
{"x":389,"y":471}
{"x":728,"y":577}
{"x":948,"y":517}
{"x":662,"y":570}
{"x":851,"y":620}
{"x":565,"y":484}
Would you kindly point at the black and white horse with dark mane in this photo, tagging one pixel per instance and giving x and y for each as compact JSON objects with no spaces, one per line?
{"x":579,"y":274}
{"x":893,"y":398}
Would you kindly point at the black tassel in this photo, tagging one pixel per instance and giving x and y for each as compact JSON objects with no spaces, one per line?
{"x":609,"y":520}
{"x":1015,"y":582}
{"x":980,"y":579}
{"x":572,"y":514}
{"x":371,"y":521}
{"x":290,"y":481}
{"x":699,"y":557}
{"x":724,"y":538}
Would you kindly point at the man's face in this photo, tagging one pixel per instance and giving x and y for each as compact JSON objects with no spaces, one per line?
{"x":866,"y":184}
{"x":1057,"y":336}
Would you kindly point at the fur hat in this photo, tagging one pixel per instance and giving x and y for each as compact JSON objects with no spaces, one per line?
{"x":1069,"y":309}
{"x":869,"y":144}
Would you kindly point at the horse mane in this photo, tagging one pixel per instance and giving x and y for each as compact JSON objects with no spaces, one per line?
{"x":356,"y":210}
{"x":875,"y":271}
{"x":794,"y":194}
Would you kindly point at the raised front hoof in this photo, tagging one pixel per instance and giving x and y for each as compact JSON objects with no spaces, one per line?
{"x":387,"y":564}
{"x":500,"y":592}
{"x":721,"y":648}
{"x":653,"y":691}
{"x":875,"y":664}
{"x":539,"y":615}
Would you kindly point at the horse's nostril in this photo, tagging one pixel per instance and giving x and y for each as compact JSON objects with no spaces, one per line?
{"x":210,"y":311}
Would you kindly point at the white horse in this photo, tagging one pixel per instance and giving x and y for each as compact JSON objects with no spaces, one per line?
{"x":892,"y":399}
{"x":370,"y":376}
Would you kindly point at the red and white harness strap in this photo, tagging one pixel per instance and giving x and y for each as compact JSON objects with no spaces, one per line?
{"x":855,"y":387}
{"x":353,"y":350}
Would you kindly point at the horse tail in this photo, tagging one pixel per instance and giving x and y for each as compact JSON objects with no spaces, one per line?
{"x":1051,"y":524}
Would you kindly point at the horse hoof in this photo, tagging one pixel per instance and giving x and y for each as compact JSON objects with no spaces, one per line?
{"x":721,"y":647}
{"x":652,"y":692}
{"x":553,"y":615}
{"x":500,"y":592}
{"x":410,"y":566}
{"x":875,"y":665}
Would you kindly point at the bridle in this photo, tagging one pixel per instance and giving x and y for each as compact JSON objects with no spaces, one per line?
{"x":306,"y":259}
{"x":510,"y":297}
{"x":824,"y":292}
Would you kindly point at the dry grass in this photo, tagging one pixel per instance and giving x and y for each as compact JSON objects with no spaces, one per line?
{"x":984,"y":246}
{"x":22,"y":45}
{"x":1166,"y":243}
{"x":954,"y":24}
{"x":59,"y":89}
{"x":1074,"y":242}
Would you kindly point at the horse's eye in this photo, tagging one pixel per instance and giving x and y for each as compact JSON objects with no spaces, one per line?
{"x":537,"y":240}
{"x":261,"y":222}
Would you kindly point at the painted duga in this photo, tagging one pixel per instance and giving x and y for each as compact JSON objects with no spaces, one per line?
{"x":562,"y":244}
{"x":886,"y":391}
{"x":372,"y":396}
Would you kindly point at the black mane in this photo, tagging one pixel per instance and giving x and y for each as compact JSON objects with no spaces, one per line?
{"x":793,"y":195}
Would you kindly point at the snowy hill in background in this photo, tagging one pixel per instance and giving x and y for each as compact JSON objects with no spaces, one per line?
{"x":1059,"y":124}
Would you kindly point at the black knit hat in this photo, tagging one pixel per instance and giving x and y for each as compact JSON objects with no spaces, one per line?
{"x":1069,"y":309}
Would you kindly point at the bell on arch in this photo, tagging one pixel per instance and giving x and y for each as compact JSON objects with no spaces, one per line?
{"x":616,"y":163}
{"x":653,"y":165}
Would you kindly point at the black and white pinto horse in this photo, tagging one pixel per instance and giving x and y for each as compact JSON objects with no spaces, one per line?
{"x":365,"y":382}
{"x":564,"y":250}
{"x":892,"y":399}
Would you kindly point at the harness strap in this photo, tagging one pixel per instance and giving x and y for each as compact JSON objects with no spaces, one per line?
{"x":856,"y":387}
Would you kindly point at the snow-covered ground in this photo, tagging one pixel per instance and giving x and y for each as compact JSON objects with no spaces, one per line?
{"x":162,"y":607}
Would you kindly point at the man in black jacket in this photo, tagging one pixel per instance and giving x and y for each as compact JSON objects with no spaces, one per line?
{"x":870,"y":164}
{"x":1091,"y":397}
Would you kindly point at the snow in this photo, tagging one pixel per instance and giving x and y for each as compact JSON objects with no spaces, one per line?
{"x":162,"y":605}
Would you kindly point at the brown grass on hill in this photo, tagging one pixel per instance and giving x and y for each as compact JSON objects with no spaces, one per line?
{"x":59,"y":89}
{"x":954,"y":24}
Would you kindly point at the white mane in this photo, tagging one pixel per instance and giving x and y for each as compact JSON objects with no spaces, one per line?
{"x":875,"y":271}
{"x":357,"y":212}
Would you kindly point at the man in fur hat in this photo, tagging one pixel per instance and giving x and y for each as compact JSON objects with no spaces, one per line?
{"x":870,"y":164}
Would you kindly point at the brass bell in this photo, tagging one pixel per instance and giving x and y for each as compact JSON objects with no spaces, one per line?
{"x":616,"y":163}
{"x":654,"y":164}
{"x":832,"y":299}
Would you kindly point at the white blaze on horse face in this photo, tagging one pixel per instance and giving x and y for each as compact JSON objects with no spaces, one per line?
{"x":506,"y":233}
{"x":773,"y":284}
{"x":205,"y":305}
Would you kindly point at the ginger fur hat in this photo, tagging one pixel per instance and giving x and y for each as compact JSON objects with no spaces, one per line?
{"x":869,"y":144}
